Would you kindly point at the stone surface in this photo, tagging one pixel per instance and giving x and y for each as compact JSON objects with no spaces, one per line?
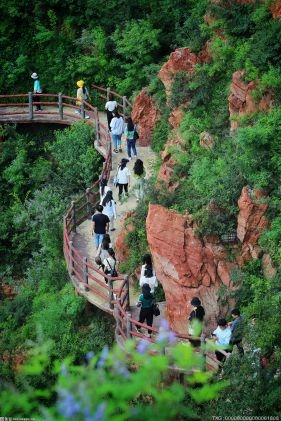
{"x":187,"y":266}
{"x":145,"y":115}
{"x":275,"y":9}
{"x":180,"y":60}
{"x":268,"y":268}
{"x":240,"y":100}
{"x":169,"y":161}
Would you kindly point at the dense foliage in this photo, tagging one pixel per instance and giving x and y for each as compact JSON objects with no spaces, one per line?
{"x":122,"y":45}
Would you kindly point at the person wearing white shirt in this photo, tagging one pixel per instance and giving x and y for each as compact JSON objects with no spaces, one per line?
{"x":110,"y":106}
{"x":109,"y":209}
{"x":117,"y":129}
{"x":222,"y":336}
{"x":123,"y":177}
{"x":148,"y":275}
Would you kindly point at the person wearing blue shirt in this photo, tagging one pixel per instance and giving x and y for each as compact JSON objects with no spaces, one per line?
{"x":36,"y":90}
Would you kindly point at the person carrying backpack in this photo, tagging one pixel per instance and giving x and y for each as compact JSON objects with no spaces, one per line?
{"x":148,"y":275}
{"x":109,"y":265}
{"x":146,"y":301}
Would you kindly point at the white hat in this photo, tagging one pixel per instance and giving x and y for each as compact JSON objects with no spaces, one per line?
{"x":34,"y":76}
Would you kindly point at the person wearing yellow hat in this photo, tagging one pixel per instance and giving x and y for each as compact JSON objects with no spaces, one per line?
{"x":82,"y":94}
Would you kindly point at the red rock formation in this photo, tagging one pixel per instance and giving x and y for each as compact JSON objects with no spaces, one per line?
{"x":121,"y":249}
{"x":7,"y":291}
{"x":188,"y":266}
{"x":168,"y":161}
{"x":241,"y":101}
{"x":181,"y":60}
{"x":251,"y":223}
{"x":275,"y":9}
{"x":145,"y":115}
{"x":176,"y":117}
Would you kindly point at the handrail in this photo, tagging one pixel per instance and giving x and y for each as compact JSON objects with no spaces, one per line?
{"x":125,"y":102}
{"x":79,"y":269}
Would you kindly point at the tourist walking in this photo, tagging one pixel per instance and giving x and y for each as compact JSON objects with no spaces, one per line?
{"x":109,"y":265}
{"x":139,"y":175}
{"x":237,"y":330}
{"x":36,"y":90}
{"x":222,"y":336}
{"x":148,"y":275}
{"x":102,"y":252}
{"x":100,"y":225}
{"x":196,"y":318}
{"x":109,"y":208}
{"x":130,"y":131}
{"x":123,"y":177}
{"x":110,"y":106}
{"x":145,"y":302}
{"x":117,"y":128}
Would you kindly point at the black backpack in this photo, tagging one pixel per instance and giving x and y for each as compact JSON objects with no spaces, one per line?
{"x":113,"y":272}
{"x":148,"y":273}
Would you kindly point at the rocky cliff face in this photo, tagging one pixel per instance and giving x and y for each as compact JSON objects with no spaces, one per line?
{"x":275,"y":9}
{"x":188,"y":266}
{"x":145,"y":114}
{"x":241,"y":100}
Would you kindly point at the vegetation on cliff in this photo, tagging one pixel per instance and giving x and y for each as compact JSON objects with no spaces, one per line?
{"x":123,"y":45}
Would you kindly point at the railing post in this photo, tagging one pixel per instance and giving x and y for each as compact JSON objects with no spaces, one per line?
{"x":128,"y":325}
{"x":110,"y":293}
{"x":117,"y":316}
{"x":97,"y":122}
{"x":107,"y":93}
{"x":73,"y":215}
{"x":89,"y":206}
{"x":85,"y":273}
{"x":127,"y":288}
{"x":30,"y":105}
{"x":60,"y":106}
{"x":70,"y":268}
{"x":124,"y":103}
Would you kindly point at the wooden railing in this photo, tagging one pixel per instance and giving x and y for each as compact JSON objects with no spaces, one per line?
{"x":116,"y":292}
{"x":125,"y":105}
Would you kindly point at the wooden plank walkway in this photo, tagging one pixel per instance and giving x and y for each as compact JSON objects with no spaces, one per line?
{"x":82,"y":239}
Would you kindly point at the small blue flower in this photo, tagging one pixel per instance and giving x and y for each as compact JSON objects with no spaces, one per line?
{"x":103,"y":357}
{"x":142,"y":346}
{"x":90,"y":355}
{"x":67,"y":405}
{"x":99,"y":415}
{"x":165,"y":334}
{"x":121,"y":369}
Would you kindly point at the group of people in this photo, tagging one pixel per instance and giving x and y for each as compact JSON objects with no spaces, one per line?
{"x":226,"y":335}
{"x":117,"y":126}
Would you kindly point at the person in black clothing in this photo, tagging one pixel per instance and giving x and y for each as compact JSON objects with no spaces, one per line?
{"x":145,"y":301}
{"x":197,"y":315}
{"x":237,"y":330}
{"x":100,"y":225}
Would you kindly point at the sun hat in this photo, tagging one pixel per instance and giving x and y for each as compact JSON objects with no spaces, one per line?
{"x":80,"y":83}
{"x":195,"y":302}
{"x":34,"y":76}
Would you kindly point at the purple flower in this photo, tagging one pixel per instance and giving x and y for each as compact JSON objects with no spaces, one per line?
{"x":142,"y":346}
{"x":165,"y":334}
{"x":67,"y":405}
{"x":90,"y":355}
{"x":99,"y":414}
{"x":121,"y":369}
{"x":103,"y":357}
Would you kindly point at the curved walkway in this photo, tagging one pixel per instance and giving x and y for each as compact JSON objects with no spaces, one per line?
{"x":82,"y":239}
{"x":79,"y":250}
